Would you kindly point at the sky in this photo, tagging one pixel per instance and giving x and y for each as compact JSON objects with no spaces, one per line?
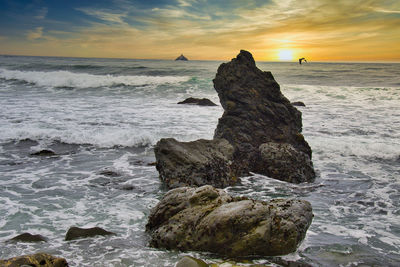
{"x":272,"y":30}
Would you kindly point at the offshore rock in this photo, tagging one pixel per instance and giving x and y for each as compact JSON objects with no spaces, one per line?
{"x":195,"y":163}
{"x":27,"y":237}
{"x":198,"y":101}
{"x":77,"y":233}
{"x":257,"y":113}
{"x":38,"y":259}
{"x":208,"y":219}
{"x":44,"y":153}
{"x":298,"y":104}
{"x":181,"y":57}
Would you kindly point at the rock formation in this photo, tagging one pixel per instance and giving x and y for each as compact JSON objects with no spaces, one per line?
{"x":181,"y":57}
{"x":198,"y":101}
{"x":208,"y":219}
{"x":195,"y":163}
{"x":257,"y":113}
{"x":259,"y":123}
{"x":38,"y":259}
{"x":76,"y":233}
{"x":27,"y":237}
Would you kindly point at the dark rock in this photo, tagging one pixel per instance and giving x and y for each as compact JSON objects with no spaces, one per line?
{"x":35,"y":260}
{"x":181,"y":57}
{"x":298,"y":104}
{"x":44,"y":153}
{"x":77,"y":233}
{"x":255,"y":113}
{"x":208,"y":219}
{"x":195,"y":163}
{"x":198,"y":101}
{"x":27,"y":237}
{"x":109,"y":173}
{"x":188,"y":261}
{"x":260,"y":124}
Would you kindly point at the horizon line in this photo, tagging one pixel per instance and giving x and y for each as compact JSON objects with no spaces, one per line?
{"x":172,"y":59}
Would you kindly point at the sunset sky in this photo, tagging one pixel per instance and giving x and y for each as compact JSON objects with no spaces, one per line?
{"x":273,"y":30}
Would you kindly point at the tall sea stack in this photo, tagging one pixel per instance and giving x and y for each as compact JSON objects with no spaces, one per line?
{"x":259,"y":131}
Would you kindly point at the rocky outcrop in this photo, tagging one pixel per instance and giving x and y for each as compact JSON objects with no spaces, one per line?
{"x":198,"y":101}
{"x":257,"y":113}
{"x":38,"y":259}
{"x":182,"y":58}
{"x":27,"y":237}
{"x":77,"y":233}
{"x":208,"y":219}
{"x":195,"y":163}
{"x":262,"y":127}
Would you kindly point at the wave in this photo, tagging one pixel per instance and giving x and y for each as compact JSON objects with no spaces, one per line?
{"x":68,"y":79}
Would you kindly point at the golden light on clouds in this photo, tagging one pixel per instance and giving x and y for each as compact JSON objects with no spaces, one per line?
{"x":276,"y":30}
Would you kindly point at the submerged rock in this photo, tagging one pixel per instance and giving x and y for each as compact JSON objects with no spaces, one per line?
{"x":44,"y":153}
{"x":256,"y":113}
{"x":198,"y":101}
{"x":195,"y":163}
{"x":77,"y":233}
{"x":27,"y":237}
{"x":38,"y":259}
{"x":208,"y":219}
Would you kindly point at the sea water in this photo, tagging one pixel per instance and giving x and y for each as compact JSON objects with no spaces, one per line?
{"x":102,"y":118}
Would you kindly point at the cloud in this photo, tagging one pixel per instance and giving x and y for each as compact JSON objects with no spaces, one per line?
{"x":37,"y":33}
{"x":41,"y":13}
{"x":105,"y":15}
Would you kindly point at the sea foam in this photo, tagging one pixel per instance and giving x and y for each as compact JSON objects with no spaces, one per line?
{"x":84,"y":80}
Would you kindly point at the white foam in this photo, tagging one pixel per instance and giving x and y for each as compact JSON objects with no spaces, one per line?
{"x":84,"y":80}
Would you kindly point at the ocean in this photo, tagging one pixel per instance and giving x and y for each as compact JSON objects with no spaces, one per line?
{"x":102,"y":118}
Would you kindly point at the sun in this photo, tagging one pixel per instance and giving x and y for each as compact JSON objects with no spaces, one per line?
{"x":285,"y":55}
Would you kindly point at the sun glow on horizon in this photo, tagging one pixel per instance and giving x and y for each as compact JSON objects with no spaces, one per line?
{"x":285,"y":55}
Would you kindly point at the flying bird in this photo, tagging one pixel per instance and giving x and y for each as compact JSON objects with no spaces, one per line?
{"x":301,"y":60}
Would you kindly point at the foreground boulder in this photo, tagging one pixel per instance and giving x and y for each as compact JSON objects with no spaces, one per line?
{"x":38,"y":259}
{"x":208,"y":219}
{"x":198,"y":101}
{"x":77,"y":233}
{"x":260,"y":124}
{"x":195,"y":163}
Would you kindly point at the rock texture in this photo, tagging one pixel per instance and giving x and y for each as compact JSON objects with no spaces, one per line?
{"x":255,"y":113}
{"x":208,"y":219}
{"x":77,"y":233}
{"x":195,"y":163}
{"x":262,"y":127}
{"x":198,"y":101}
{"x":27,"y":237}
{"x":39,"y":259}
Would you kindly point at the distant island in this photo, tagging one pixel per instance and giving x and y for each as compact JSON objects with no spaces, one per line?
{"x":182,"y":57}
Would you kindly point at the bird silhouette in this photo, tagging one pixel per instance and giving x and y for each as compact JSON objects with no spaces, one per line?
{"x":301,"y":60}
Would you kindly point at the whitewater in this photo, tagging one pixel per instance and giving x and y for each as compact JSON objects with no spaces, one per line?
{"x":102,"y":118}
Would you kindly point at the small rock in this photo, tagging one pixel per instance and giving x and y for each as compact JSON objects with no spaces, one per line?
{"x":44,"y":153}
{"x":188,"y":261}
{"x":27,"y":237}
{"x":77,"y":233}
{"x":36,"y":260}
{"x":298,"y":104}
{"x":198,"y":101}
